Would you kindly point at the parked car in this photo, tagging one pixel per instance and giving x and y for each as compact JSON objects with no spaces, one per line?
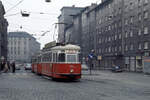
{"x":17,"y":66}
{"x":27,"y":66}
{"x":116,"y":69}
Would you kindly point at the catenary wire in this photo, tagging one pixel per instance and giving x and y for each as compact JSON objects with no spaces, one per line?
{"x":14,"y":6}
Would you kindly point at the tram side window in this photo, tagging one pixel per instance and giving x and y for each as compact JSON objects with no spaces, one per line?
{"x":61,"y":57}
{"x":39,"y":59}
{"x":50,"y":57}
{"x":54,"y":57}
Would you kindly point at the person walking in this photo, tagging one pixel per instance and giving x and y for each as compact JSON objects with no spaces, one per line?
{"x":8,"y":63}
{"x":13,"y":67}
{"x":2,"y":65}
{"x":6,"y":69}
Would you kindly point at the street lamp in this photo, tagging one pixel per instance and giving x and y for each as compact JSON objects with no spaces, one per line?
{"x":25,"y":14}
{"x":47,"y":0}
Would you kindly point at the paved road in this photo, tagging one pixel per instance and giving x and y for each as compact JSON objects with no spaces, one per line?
{"x":24,"y":85}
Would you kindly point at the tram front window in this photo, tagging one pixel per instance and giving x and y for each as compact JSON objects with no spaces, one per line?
{"x":71,"y":58}
{"x":61,"y":57}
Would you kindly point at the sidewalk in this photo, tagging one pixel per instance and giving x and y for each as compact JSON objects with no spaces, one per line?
{"x":125,"y":77}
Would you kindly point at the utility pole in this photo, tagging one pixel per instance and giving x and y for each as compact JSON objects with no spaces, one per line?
{"x":123,"y":34}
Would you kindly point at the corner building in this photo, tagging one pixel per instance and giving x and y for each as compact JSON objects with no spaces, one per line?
{"x":118,"y":31}
{"x":3,"y":32}
{"x":22,"y":46}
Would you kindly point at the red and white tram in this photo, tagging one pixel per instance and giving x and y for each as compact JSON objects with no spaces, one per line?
{"x":58,"y":62}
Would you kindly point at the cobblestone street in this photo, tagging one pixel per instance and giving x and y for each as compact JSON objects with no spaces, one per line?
{"x":102,"y":85}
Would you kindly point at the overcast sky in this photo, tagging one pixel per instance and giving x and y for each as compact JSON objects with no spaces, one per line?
{"x":38,"y":23}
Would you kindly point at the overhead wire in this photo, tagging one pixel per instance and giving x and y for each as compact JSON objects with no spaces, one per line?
{"x":12,"y":14}
{"x":14,"y":6}
{"x":32,"y":12}
{"x":36,"y":35}
{"x":48,"y":32}
{"x":7,"y":2}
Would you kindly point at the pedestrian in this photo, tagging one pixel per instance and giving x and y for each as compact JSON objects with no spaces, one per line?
{"x":8,"y":63}
{"x":13,"y":66}
{"x":2,"y":65}
{"x":6,"y":69}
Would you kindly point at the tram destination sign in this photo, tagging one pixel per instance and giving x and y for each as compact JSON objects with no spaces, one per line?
{"x":71,"y":51}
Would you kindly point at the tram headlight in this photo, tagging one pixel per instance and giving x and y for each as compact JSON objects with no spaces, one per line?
{"x":71,"y":70}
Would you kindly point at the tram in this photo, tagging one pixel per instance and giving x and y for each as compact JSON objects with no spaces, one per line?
{"x":61,"y":61}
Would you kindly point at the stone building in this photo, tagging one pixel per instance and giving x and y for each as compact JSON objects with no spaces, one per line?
{"x":22,"y":46}
{"x":65,"y":19}
{"x":82,"y":29}
{"x":118,"y":31}
{"x":3,"y":32}
{"x":123,"y":32}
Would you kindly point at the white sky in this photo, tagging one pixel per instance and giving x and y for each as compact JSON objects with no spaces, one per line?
{"x":38,"y":23}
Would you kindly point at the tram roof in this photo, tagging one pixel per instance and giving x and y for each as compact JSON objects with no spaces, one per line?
{"x":66,"y":47}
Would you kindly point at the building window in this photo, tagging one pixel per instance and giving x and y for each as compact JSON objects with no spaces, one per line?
{"x":109,"y":6}
{"x":145,"y":45}
{"x":109,"y":50}
{"x":126,"y":48}
{"x":18,"y":52}
{"x":115,"y":37}
{"x":131,"y":5}
{"x":106,"y":50}
{"x":131,"y":19}
{"x":112,"y":49}
{"x":15,"y":42}
{"x":116,"y":48}
{"x":109,"y":39}
{"x":120,"y":24}
{"x":119,"y":36}
{"x":145,"y":1}
{"x":131,"y":33}
{"x":99,"y":40}
{"x":115,"y":25}
{"x":139,"y":32}
{"x":106,"y":40}
{"x":126,"y":34}
{"x":131,"y":47}
{"x":126,"y":21}
{"x":140,"y":17}
{"x":119,"y":11}
{"x":139,"y":2}
{"x":145,"y":14}
{"x":119,"y":48}
{"x":140,"y":46}
{"x":145,"y":30}
{"x":109,"y":27}
{"x":99,"y":50}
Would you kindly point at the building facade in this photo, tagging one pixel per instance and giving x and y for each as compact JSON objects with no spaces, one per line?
{"x":123,"y":32}
{"x":65,"y":19}
{"x":117,"y":30}
{"x":3,"y":32}
{"x":22,"y":46}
